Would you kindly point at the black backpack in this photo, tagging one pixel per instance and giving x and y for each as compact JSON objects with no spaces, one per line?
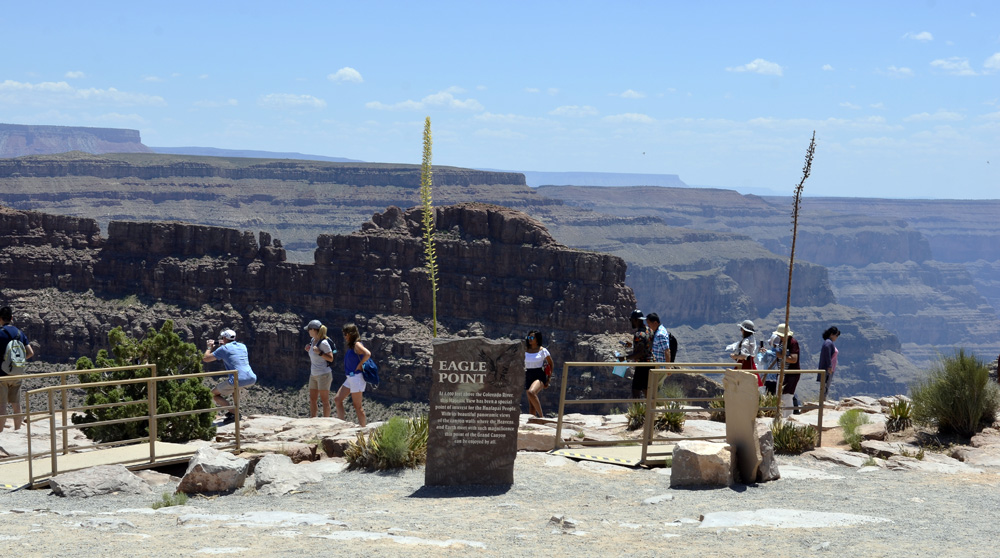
{"x":333,"y":351}
{"x":673,"y":347}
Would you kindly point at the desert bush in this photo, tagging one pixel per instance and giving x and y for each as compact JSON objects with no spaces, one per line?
{"x":718,"y":407}
{"x":396,"y":444}
{"x":850,"y":421}
{"x":792,"y":439}
{"x":768,"y":400}
{"x":957,"y":395}
{"x":672,"y":421}
{"x":167,"y":500}
{"x":900,"y":416}
{"x":171,"y":356}
{"x":636,"y":414}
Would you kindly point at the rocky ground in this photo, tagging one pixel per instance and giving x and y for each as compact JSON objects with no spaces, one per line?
{"x":827,"y":502}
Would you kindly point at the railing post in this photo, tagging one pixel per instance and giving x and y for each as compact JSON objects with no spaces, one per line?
{"x":152,"y":408}
{"x":236,"y":410}
{"x":562,"y":406}
{"x":647,"y":426}
{"x":822,"y":399}
{"x":65,"y":414}
{"x":52,"y":434}
{"x":27,"y":410}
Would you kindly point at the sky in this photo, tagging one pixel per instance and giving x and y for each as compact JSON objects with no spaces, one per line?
{"x":904,"y":97}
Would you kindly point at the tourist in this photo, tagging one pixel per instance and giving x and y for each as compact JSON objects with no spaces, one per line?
{"x":537,"y":370}
{"x":10,"y":390}
{"x":234,"y":356}
{"x":661,"y":338}
{"x":355,"y":356}
{"x":743,"y":350}
{"x":828,"y":358}
{"x":642,"y":351}
{"x":783,"y":336}
{"x":320,"y":371}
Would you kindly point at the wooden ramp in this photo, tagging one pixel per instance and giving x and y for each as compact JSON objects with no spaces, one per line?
{"x":630,"y":456}
{"x":14,"y":474}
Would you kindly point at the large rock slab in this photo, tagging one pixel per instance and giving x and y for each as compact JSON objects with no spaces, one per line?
{"x":211,"y":470}
{"x":94,"y":481}
{"x":768,"y":469}
{"x":931,"y":463}
{"x":742,"y":398}
{"x":697,"y":463}
{"x":276,"y":475}
{"x":840,"y":457}
{"x":784,"y":519}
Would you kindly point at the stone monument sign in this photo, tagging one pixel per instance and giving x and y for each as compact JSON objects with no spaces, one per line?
{"x":475,"y":409}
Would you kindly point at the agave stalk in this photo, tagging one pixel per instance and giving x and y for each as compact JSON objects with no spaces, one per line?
{"x":426,"y":202}
{"x":796,"y":204}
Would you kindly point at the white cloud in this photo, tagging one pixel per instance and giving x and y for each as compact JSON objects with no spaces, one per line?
{"x":993,"y":62}
{"x":441,"y":99}
{"x":900,"y":72}
{"x":553,"y":91}
{"x":991,"y":116}
{"x":955,"y":65}
{"x":851,"y":106}
{"x":630,"y":94}
{"x":827,"y":68}
{"x":74,"y":75}
{"x":217,"y":104}
{"x":923,"y":36}
{"x":629,"y":117}
{"x":531,"y":90}
{"x":939,"y":116}
{"x":759,"y":66}
{"x":877,"y":106}
{"x":290,"y":101}
{"x":575,"y":111}
{"x":346,"y":73}
{"x":54,"y":93}
{"x":508,"y":118}
{"x":154,"y":79}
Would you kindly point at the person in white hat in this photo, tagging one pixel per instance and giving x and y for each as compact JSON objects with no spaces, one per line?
{"x":234,"y":356}
{"x":782,"y":336}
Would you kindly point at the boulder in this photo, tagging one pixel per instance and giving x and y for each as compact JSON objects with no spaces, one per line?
{"x":94,"y":481}
{"x":885,"y":450}
{"x":872,"y":431}
{"x":697,"y":463}
{"x":840,"y":457}
{"x":532,"y":437}
{"x":276,"y":475}
{"x":211,"y":470}
{"x":335,"y":447}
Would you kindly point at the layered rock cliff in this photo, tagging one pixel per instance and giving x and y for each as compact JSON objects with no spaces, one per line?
{"x":17,"y":140}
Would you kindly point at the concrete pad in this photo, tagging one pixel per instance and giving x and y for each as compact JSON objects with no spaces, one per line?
{"x":793,"y":472}
{"x":785,"y":519}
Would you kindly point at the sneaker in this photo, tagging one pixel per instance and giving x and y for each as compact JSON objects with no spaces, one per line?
{"x":228,"y":419}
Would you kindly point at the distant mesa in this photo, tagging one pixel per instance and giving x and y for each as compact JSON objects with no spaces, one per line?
{"x":249,"y":153}
{"x":17,"y":140}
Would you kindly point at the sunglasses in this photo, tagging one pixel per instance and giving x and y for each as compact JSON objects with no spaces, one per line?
{"x":531,"y":338}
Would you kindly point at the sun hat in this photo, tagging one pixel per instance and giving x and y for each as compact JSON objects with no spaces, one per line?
{"x":315,"y":324}
{"x":228,"y":335}
{"x":782,"y":330}
{"x":747,"y":325}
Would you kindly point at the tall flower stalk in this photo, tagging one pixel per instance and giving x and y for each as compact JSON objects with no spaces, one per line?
{"x":796,"y":204}
{"x":426,"y":202}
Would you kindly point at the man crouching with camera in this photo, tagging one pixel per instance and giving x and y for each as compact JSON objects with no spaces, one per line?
{"x":233,"y":355}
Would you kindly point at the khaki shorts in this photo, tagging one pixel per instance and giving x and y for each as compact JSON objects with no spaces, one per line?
{"x":10,"y":393}
{"x":321,"y":382}
{"x":225,"y":389}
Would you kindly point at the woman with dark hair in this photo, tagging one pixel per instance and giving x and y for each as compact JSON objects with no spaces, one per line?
{"x":537,"y":368}
{"x":828,"y":357}
{"x":354,"y":358}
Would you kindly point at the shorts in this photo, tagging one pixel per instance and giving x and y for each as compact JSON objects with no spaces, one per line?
{"x":640,"y":379}
{"x":532,"y":374}
{"x":321,"y":382}
{"x":225,"y":389}
{"x":355,"y":383}
{"x":10,"y":392}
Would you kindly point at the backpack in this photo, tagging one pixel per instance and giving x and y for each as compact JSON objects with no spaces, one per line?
{"x":15,"y":357}
{"x":333,"y":351}
{"x":673,"y":347}
{"x":369,"y":370}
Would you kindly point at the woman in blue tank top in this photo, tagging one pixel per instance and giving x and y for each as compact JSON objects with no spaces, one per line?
{"x":355,"y":356}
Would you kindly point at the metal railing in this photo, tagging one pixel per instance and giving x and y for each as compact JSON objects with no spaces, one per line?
{"x":655,"y":405}
{"x":151,"y":415}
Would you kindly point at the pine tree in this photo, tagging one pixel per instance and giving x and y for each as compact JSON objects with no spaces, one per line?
{"x":171,"y":356}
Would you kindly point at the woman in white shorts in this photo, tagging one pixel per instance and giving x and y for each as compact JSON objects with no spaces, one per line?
{"x":320,"y":371}
{"x":354,"y":358}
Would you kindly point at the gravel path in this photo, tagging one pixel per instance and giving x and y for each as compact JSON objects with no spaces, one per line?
{"x":606,"y":510}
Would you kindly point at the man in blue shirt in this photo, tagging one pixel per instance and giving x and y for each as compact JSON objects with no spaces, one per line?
{"x":661,"y":338}
{"x":234,"y":356}
{"x":10,"y":391}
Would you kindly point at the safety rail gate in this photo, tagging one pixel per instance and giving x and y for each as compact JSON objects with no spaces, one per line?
{"x":60,"y":431}
{"x":655,"y":405}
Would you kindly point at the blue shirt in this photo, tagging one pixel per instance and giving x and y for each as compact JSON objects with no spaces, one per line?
{"x":351,"y":360}
{"x":661,"y":343}
{"x":234,"y":356}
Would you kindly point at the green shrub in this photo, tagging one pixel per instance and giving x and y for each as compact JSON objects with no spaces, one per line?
{"x":850,"y":421}
{"x":767,"y":400}
{"x":396,"y":444}
{"x":171,"y":356}
{"x":957,"y":396}
{"x":900,"y":416}
{"x":665,"y":419}
{"x":791,"y":439}
{"x":636,"y":414}
{"x":718,"y":407}
{"x":176,"y":499}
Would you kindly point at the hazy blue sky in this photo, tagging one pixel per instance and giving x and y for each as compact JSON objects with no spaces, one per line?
{"x":904,"y":96}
